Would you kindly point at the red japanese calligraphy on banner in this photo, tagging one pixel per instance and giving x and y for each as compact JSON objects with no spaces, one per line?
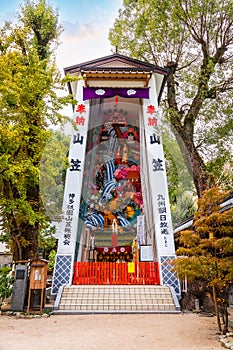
{"x":152,"y":121}
{"x":80,"y":120}
{"x":151,"y":109}
{"x":81,"y":108}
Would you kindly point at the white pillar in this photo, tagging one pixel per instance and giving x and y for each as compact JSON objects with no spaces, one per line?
{"x":63,"y":270}
{"x":164,"y":239}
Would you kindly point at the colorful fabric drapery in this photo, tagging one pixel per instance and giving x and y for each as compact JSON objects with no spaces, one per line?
{"x":92,"y":92}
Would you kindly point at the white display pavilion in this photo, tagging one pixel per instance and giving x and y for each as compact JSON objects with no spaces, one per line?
{"x":116,"y":207}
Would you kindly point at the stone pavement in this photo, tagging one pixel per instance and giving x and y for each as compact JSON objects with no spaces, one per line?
{"x":227,"y":340}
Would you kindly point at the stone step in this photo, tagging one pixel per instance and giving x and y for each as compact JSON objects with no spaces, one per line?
{"x":130,"y":288}
{"x":128,"y":297}
{"x":67,"y":303}
{"x":96,"y":291}
{"x":124,"y":307}
{"x":109,"y":298}
{"x":115,"y":296}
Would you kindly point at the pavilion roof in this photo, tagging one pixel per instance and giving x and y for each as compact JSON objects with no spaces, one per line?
{"x":117,"y":71}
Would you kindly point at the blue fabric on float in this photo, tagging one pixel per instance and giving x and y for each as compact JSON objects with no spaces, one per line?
{"x":98,"y":219}
{"x":94,"y":220}
{"x":89,"y":225}
{"x":113,"y":142}
{"x":123,"y":221}
{"x":109,"y":168}
{"x":108,"y":187}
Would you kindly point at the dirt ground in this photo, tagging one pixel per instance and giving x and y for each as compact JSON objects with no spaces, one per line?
{"x":105,"y":332}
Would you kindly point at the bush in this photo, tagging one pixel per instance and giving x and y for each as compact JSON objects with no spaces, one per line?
{"x":6,"y":283}
{"x":52,"y":258}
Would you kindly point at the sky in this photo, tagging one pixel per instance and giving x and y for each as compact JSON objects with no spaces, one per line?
{"x":86,"y":26}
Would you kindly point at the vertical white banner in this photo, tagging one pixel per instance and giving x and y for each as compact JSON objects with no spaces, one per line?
{"x":157,"y":175}
{"x":74,"y":176}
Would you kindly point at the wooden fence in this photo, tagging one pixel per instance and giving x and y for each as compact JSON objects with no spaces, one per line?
{"x":116,"y":273}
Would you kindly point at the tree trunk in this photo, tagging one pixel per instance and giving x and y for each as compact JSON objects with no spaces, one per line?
{"x":226,"y":319}
{"x":224,"y":312}
{"x":25,"y":235}
{"x":216,"y":309}
{"x":30,"y":250}
{"x":17,"y":249}
{"x":195,"y":164}
{"x":31,"y":232}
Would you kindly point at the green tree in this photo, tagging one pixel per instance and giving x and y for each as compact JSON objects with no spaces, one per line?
{"x":47,"y":241}
{"x":180,"y":183}
{"x":53,"y":166}
{"x":28,"y":104}
{"x":194,"y":40}
{"x":183,"y":208}
{"x":206,"y":250}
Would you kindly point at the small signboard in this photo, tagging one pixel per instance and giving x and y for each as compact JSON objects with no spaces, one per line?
{"x":140,"y":229}
{"x":131,"y":267}
{"x":146,"y":253}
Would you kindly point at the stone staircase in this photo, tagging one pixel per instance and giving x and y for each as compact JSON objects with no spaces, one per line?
{"x":86,"y":299}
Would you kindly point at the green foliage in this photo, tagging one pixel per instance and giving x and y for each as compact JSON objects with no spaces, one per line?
{"x":6,"y":282}
{"x":41,"y":17}
{"x":193,"y":39}
{"x":178,"y":176}
{"x":180,"y":183}
{"x":221,"y":167}
{"x":46,"y":238}
{"x":52,"y":259}
{"x":183,"y":208}
{"x":206,"y":251}
{"x":53,"y":165}
{"x":28,"y":105}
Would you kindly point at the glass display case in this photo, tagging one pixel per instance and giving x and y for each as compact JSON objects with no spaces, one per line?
{"x":111,"y":197}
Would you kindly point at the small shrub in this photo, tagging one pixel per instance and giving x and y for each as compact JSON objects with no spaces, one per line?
{"x":52,"y":258}
{"x":6,"y":283}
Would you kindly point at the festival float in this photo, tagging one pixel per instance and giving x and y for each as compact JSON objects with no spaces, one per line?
{"x":116,"y":226}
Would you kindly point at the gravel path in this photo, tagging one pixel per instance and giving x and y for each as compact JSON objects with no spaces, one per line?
{"x":110,"y":332}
